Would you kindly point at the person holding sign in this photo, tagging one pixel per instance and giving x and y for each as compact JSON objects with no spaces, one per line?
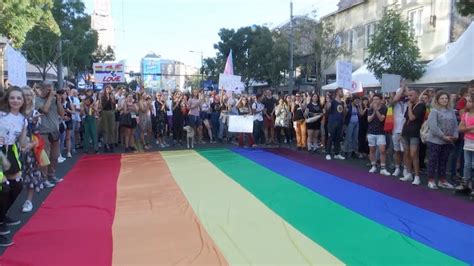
{"x":243,"y":107}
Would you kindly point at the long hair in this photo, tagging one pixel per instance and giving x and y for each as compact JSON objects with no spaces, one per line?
{"x":4,"y":104}
{"x":435,"y":102}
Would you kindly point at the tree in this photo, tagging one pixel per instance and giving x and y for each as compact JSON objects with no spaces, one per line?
{"x":465,"y":7}
{"x":393,"y":49}
{"x":250,"y":47}
{"x":212,"y":68}
{"x":18,"y":17}
{"x":41,"y":49}
{"x":327,"y":48}
{"x":102,"y":55}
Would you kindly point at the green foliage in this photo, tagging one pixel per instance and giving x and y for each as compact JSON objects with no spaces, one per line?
{"x":212,"y":68}
{"x":252,"y":52}
{"x":394,"y":49}
{"x":18,"y":17}
{"x":465,"y":7}
{"x":102,"y":55}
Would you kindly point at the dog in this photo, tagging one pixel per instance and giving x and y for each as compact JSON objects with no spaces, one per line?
{"x":189,"y":136}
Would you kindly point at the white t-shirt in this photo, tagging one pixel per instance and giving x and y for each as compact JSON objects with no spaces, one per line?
{"x":76,"y":116}
{"x":399,"y":117}
{"x":258,"y":111}
{"x":169,"y":103}
{"x":11,"y":126}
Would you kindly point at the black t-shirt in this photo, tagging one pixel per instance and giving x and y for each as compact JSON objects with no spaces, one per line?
{"x":269,"y":104}
{"x":314,"y":109}
{"x":244,"y":110}
{"x":336,"y":112}
{"x":376,"y":126}
{"x":215,"y":107}
{"x":411,"y":129}
{"x":298,"y":113}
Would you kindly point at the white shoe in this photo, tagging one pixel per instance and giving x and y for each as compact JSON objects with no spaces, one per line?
{"x":417,"y":181}
{"x":27,"y":206}
{"x":384,"y":172}
{"x":405,"y":172}
{"x":373,"y":169}
{"x":339,"y":157}
{"x":328,"y":157}
{"x":432,"y":185}
{"x":69,"y":155}
{"x":445,"y":184}
{"x":48,"y":184}
{"x":397,"y":172}
{"x":406,"y":178}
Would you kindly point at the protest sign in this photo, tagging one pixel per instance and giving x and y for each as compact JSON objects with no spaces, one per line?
{"x":344,"y":74}
{"x":109,"y":73}
{"x":231,"y":83}
{"x":390,"y":82}
{"x":241,"y":123}
{"x":16,"y":67}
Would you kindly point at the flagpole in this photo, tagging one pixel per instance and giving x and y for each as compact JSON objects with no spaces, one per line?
{"x":291,"y":78}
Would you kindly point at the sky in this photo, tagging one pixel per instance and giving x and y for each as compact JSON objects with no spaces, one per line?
{"x":173,"y":28}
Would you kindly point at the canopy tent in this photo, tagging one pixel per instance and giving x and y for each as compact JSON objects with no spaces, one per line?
{"x":454,"y":65}
{"x":362,"y":75}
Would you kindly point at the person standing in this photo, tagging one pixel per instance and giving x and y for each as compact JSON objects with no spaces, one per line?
{"x":108,"y":118}
{"x":49,"y":105}
{"x":414,"y":117}
{"x":298,"y":108}
{"x":257,"y":110}
{"x":335,"y":110}
{"x":376,"y":134}
{"x":268,"y":121}
{"x":352,"y":123}
{"x":313,"y":109}
{"x":443,"y":132}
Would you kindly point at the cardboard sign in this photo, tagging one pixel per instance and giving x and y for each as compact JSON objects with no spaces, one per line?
{"x":231,"y":83}
{"x":109,"y":73}
{"x":390,"y":82}
{"x":16,"y":67}
{"x":241,"y":123}
{"x":344,"y":74}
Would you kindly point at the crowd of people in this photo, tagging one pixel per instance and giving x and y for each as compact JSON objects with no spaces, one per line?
{"x":401,"y":134}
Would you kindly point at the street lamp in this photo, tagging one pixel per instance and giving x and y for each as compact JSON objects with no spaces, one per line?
{"x":202,"y":64}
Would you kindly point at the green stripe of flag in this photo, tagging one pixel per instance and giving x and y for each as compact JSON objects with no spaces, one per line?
{"x":351,"y":237}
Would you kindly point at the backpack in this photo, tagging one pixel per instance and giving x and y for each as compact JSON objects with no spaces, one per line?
{"x":424,"y":131}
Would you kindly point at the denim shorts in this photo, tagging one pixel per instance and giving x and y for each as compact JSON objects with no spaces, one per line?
{"x":411,"y":141}
{"x":376,"y":140}
{"x":194,"y":120}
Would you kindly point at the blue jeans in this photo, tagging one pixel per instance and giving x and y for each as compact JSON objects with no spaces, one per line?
{"x":222,"y":128}
{"x":468,"y":162}
{"x":352,"y":137}
{"x":455,"y":154}
{"x":335,"y":135}
{"x":62,"y":139}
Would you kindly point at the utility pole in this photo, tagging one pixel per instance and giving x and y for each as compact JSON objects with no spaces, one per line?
{"x":291,"y":81}
{"x":60,"y":64}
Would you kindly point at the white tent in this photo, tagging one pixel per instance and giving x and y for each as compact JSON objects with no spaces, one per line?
{"x":454,"y":65}
{"x":361,"y":75}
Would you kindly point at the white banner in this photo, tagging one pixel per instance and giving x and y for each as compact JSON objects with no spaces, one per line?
{"x":231,"y":83}
{"x":241,"y":123}
{"x":344,"y":74}
{"x":16,"y":67}
{"x":109,"y":73}
{"x":390,"y":82}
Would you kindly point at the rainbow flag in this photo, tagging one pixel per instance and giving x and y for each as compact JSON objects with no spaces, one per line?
{"x":240,"y":207}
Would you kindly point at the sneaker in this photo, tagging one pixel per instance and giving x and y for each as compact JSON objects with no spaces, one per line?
{"x":405,"y":172}
{"x":69,"y":155}
{"x":416,"y":181}
{"x":61,"y":160}
{"x":48,"y":184}
{"x":328,"y":157}
{"x":373,"y":169}
{"x":397,"y":172}
{"x":5,"y":241}
{"x":11,"y":221}
{"x":384,"y":172}
{"x":339,"y":157}
{"x":445,"y":184}
{"x":406,"y":178}
{"x":57,"y":180}
{"x":432,"y":185}
{"x":27,"y":206}
{"x":4,"y":230}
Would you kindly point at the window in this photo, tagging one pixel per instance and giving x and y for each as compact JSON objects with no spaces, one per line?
{"x":415,"y":18}
{"x":351,"y":37}
{"x":369,"y":33}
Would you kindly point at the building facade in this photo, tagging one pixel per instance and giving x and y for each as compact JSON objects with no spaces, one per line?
{"x":434,"y":24}
{"x":103,"y":23}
